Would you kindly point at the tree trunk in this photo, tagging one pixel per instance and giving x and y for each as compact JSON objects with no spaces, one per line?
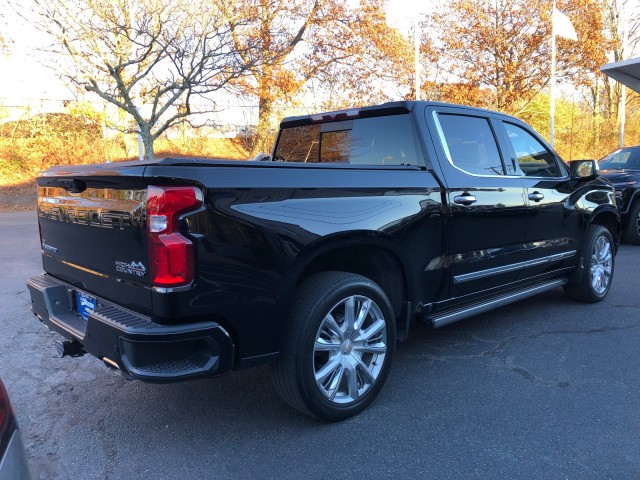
{"x":263,"y":140}
{"x":147,"y":141}
{"x":265,"y":109}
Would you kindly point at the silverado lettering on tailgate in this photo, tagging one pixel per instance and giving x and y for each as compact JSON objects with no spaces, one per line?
{"x":119,"y":220}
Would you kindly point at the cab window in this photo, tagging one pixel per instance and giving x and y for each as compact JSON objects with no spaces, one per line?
{"x":386,"y":140}
{"x":532,"y":157}
{"x":470,"y":145}
{"x":621,"y":159}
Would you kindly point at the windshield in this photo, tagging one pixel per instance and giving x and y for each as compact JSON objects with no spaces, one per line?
{"x":624,"y":158}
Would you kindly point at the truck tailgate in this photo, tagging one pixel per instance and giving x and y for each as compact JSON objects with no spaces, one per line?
{"x":92,"y":227}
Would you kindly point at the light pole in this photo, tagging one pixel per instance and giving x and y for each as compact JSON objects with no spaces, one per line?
{"x":623,"y":93}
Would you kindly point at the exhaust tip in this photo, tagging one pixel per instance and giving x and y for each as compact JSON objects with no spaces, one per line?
{"x":114,"y":367}
{"x":110,"y":363}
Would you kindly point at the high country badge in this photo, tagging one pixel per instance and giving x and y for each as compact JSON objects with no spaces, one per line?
{"x":132,"y":268}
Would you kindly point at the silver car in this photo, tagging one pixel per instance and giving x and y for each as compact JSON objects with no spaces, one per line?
{"x":13,"y":459}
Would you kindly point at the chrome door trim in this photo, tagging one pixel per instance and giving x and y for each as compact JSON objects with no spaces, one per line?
{"x":467,"y":277}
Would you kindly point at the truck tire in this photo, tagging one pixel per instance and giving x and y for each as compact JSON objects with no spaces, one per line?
{"x":631,"y":232}
{"x":599,"y":261}
{"x":339,"y":346}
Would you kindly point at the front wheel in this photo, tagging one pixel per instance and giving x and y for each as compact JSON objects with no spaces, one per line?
{"x":340,"y":342}
{"x":599,"y":261}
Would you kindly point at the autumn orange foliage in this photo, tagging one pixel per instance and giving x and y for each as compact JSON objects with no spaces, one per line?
{"x":330,"y":54}
{"x":22,"y":158}
{"x":287,"y":44}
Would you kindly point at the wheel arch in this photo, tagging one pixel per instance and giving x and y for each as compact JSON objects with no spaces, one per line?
{"x":609,"y":218}
{"x":373,"y":256}
{"x":634,"y":197}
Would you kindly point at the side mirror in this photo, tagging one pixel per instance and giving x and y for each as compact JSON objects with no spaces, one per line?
{"x":582,"y":169}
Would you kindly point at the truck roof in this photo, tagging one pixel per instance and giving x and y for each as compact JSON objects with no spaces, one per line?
{"x":388,"y":108}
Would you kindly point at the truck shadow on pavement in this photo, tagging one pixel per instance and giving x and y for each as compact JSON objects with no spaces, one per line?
{"x":461,"y":374}
{"x":248,"y":396}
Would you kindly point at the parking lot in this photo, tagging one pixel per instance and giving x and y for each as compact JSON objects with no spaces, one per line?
{"x":544,"y":388}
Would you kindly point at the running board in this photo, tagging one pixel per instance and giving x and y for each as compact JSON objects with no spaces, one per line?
{"x":444,"y":318}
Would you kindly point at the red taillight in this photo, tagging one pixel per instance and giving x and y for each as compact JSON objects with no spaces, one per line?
{"x":170,"y":253}
{"x":6,"y":415}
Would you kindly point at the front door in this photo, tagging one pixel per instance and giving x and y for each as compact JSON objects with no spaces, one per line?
{"x":554,"y":232}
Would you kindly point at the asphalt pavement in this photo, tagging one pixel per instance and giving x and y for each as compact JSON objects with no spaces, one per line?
{"x":546,"y":388}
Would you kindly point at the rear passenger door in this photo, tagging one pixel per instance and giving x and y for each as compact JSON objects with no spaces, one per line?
{"x":554,"y":232}
{"x":485,"y":197}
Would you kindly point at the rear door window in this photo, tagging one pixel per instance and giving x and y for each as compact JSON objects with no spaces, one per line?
{"x":470,"y":144}
{"x":388,"y":140}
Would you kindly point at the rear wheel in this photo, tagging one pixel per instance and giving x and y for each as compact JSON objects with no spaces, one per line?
{"x":598,"y":260}
{"x":631,"y":232}
{"x":340,"y":344}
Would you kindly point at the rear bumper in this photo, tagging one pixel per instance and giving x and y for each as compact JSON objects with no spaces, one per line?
{"x":133,"y":343}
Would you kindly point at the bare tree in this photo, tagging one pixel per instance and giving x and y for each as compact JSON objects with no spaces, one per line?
{"x":150,"y":58}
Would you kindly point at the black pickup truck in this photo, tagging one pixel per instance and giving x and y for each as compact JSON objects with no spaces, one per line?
{"x":319,"y":258}
{"x":622,"y":168}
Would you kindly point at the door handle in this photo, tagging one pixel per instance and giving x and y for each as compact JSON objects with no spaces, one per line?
{"x":464,"y":199}
{"x":536,"y":196}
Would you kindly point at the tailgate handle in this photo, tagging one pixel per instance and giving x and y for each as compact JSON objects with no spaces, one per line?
{"x":73,"y":186}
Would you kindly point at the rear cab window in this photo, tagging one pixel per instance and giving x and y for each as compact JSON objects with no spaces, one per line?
{"x":385,"y":141}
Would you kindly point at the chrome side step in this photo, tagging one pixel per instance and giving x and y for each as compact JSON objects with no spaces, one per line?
{"x":444,"y":318}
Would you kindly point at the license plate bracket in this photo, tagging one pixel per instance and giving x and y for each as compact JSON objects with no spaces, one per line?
{"x":86,"y":304}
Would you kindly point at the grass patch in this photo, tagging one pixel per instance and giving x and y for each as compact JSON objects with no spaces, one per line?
{"x":22,"y":158}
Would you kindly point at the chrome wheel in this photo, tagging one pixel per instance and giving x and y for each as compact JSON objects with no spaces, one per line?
{"x":341,"y":337}
{"x":349,"y":349}
{"x":598,"y":259}
{"x":601,"y":265}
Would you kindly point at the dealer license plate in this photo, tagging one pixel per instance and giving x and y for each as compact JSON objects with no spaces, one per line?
{"x":86,"y":304}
